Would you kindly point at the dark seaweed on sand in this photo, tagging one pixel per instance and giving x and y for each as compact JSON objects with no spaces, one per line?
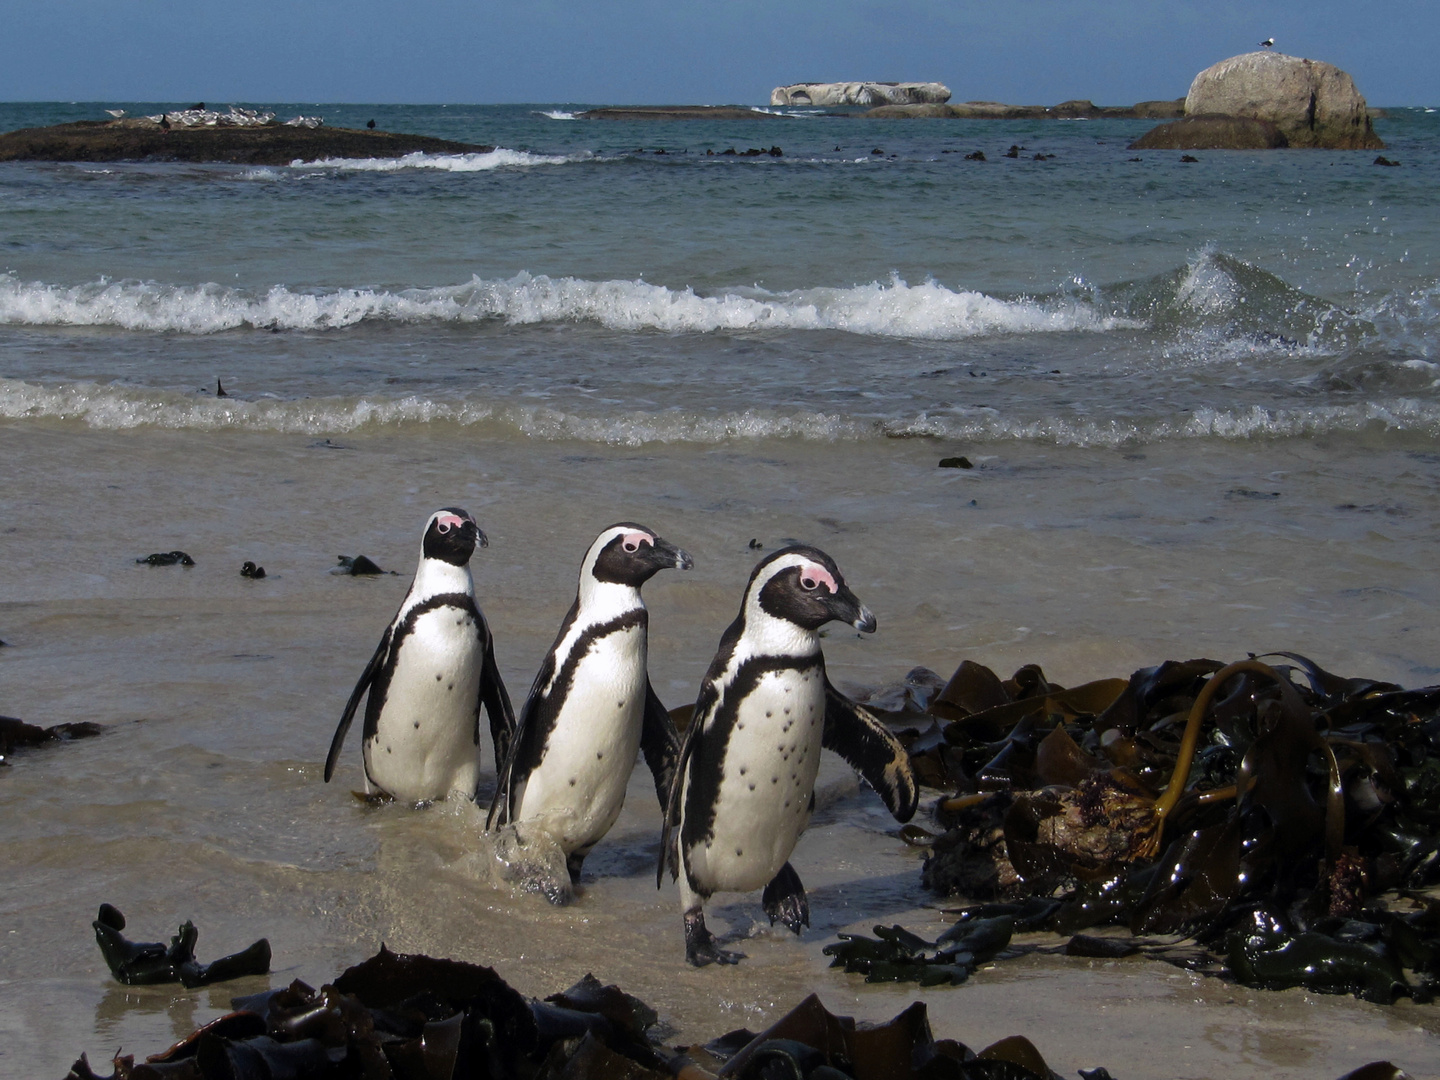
{"x":413,"y":1017}
{"x":1268,"y":821}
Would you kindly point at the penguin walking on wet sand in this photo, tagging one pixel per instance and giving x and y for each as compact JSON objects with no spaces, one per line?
{"x":744,"y":787}
{"x":432,"y":671}
{"x":592,"y":706}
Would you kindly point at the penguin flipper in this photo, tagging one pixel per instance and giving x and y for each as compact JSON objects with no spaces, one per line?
{"x":496,"y":700}
{"x":672,"y":800}
{"x":660,"y":745}
{"x":869,"y":747}
{"x":501,"y":806}
{"x":366,"y":678}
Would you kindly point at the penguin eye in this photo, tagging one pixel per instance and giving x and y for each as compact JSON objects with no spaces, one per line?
{"x":808,"y":583}
{"x":631,"y":546}
{"x":442,"y":528}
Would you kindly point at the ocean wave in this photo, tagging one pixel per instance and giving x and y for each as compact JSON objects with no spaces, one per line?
{"x":558,"y":114}
{"x":118,"y":407}
{"x":894,"y":309}
{"x":499,"y":158}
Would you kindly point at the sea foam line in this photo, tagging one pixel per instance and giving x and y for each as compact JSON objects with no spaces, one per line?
{"x":116,"y":407}
{"x":499,"y":158}
{"x":893,"y":309}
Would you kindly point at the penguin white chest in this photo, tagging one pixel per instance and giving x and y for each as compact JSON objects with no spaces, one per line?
{"x":579,"y":784}
{"x":424,"y":742}
{"x":767,"y":781}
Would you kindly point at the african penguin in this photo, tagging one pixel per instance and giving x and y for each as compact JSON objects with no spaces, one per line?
{"x":744,"y":786}
{"x":592,"y":707}
{"x":433,"y":669}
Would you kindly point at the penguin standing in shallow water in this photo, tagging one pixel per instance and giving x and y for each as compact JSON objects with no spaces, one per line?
{"x":592,"y":706}
{"x":434,"y":668}
{"x":744,"y":787}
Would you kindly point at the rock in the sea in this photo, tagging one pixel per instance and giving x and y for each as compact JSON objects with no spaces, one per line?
{"x":860,"y":93}
{"x":1313,"y":103}
{"x":996,"y":110}
{"x":1213,"y":133}
{"x":263,"y":143}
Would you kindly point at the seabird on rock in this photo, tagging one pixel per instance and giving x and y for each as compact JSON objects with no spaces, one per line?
{"x":1267,"y":43}
{"x":116,"y":113}
{"x":370,"y":124}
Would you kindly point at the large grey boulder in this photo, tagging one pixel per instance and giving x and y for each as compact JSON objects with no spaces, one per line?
{"x":1313,"y":103}
{"x":860,"y":93}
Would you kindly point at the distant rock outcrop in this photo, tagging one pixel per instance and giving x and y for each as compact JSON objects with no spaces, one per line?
{"x":267,"y":143}
{"x":1312,"y":103}
{"x":860,"y":93}
{"x":1066,"y":110}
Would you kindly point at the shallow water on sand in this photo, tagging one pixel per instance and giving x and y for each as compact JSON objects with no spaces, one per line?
{"x":203,"y":799}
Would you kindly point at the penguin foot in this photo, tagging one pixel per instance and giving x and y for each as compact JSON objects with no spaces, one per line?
{"x":573,"y":862}
{"x":785,"y":901}
{"x":701,"y":948}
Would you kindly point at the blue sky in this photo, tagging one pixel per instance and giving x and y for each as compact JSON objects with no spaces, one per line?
{"x":648,"y":51}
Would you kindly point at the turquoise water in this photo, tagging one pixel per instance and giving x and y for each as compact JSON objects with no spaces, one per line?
{"x":1103,"y":298}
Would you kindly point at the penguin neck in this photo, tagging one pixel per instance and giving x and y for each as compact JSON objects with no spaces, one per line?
{"x":600,"y":601}
{"x":765,"y":635}
{"x":436,"y":576}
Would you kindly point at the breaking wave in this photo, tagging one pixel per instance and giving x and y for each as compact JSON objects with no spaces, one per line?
{"x":120,"y":407}
{"x":894,"y":309}
{"x":499,"y":158}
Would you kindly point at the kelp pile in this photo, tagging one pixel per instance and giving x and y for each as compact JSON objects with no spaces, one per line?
{"x":412,"y":1017}
{"x":1281,"y":817}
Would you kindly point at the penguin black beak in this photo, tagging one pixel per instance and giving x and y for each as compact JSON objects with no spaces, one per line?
{"x":671,"y":557}
{"x":480,"y":538}
{"x":845,"y":606}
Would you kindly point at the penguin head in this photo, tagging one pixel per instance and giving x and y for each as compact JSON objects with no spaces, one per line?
{"x":630,"y":554}
{"x":451,"y":535}
{"x":802,"y":585}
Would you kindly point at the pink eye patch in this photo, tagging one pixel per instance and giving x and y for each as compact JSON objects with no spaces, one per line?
{"x":445,"y":522}
{"x":812,"y":576}
{"x":633,"y":540}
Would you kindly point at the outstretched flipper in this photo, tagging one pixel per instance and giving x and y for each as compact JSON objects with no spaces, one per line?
{"x":366,"y":678}
{"x":671,"y":807}
{"x":660,"y":744}
{"x":785,"y":901}
{"x":863,"y":740}
{"x":497,"y":707}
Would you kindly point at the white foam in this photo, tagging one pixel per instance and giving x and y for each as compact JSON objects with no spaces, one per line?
{"x":894,"y":309}
{"x":121,"y":407}
{"x":558,"y":114}
{"x":499,"y":158}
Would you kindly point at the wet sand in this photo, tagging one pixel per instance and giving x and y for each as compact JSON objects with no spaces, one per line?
{"x":204,"y":798}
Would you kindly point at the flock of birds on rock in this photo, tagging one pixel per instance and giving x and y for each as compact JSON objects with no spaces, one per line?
{"x":736,"y":792}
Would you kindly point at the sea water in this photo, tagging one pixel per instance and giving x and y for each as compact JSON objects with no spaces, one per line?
{"x":1201,"y":401}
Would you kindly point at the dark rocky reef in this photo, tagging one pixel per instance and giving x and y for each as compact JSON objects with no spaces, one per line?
{"x":140,"y":139}
{"x":1213,"y":133}
{"x":1066,"y":110}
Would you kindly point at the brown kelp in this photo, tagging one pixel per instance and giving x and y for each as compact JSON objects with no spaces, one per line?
{"x":141,"y":963}
{"x":413,"y":1017}
{"x":1281,"y":816}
